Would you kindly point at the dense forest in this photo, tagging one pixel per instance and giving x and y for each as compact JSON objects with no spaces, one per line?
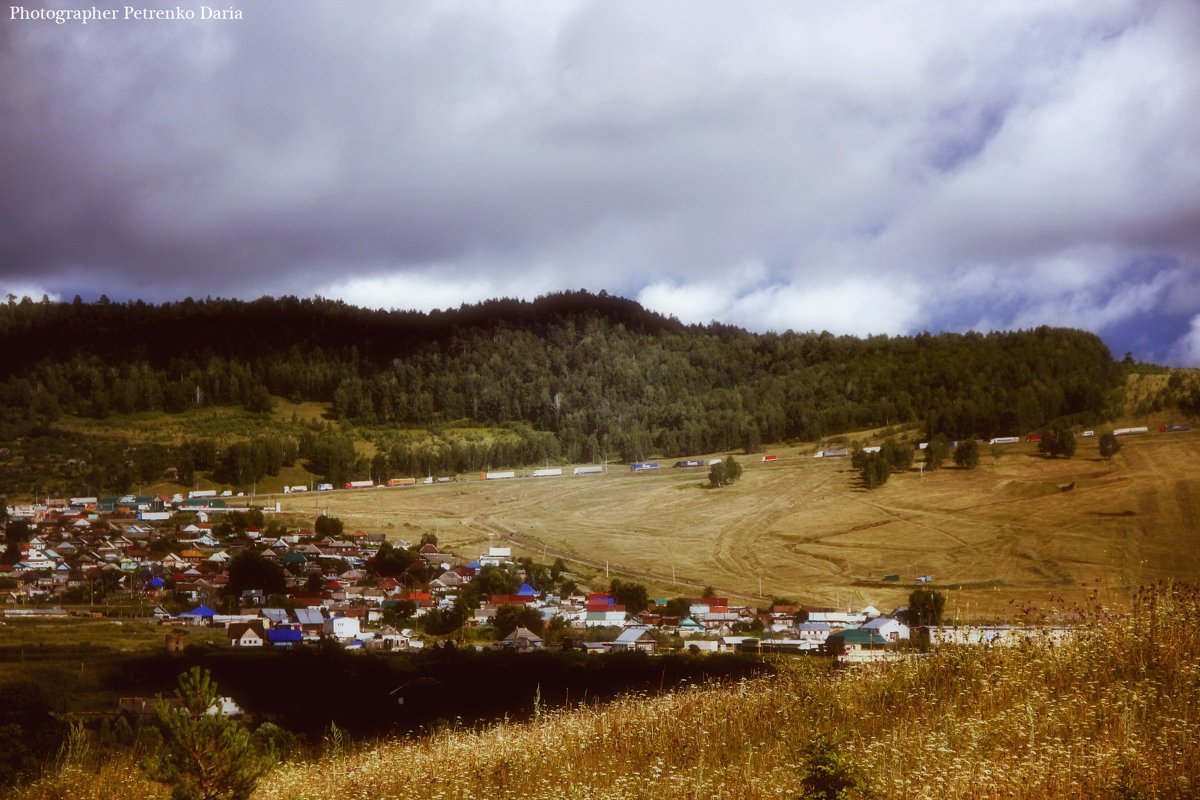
{"x":571,"y":377}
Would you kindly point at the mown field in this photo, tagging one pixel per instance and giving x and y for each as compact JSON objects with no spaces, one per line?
{"x":999,"y":539}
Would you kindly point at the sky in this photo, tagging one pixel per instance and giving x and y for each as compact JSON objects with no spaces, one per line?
{"x":862,"y":167}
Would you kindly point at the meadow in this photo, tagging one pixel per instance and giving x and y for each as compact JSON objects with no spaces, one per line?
{"x":1112,"y":713}
{"x":1004,"y":541}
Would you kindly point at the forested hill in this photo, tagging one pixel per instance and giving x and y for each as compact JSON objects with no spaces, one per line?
{"x":596,"y":373}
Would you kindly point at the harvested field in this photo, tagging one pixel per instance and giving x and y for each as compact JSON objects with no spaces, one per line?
{"x":805,"y":529}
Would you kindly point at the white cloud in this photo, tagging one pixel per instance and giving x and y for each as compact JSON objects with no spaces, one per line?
{"x":436,"y":288}
{"x":19,"y":291}
{"x":877,"y":167}
{"x":854,"y":306}
{"x":1186,"y":351}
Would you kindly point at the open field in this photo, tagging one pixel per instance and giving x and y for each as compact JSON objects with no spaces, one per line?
{"x":804,"y":528}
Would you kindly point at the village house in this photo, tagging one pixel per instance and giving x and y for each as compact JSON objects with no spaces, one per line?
{"x":858,"y":646}
{"x":246,"y":634}
{"x":346,"y":627}
{"x":522,"y":640}
{"x":635,"y":638}
{"x":890,"y":629}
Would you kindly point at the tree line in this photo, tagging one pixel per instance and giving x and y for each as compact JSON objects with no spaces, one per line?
{"x":574,"y":377}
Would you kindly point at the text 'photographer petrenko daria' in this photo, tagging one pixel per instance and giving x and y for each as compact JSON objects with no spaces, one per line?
{"x":83,"y":16}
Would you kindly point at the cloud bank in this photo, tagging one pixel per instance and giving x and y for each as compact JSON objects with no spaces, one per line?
{"x":855,"y":167}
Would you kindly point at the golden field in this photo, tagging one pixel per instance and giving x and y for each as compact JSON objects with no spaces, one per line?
{"x":1112,"y":713}
{"x":803,"y":528}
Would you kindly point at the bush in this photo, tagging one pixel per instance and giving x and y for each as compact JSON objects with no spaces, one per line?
{"x":830,"y":775}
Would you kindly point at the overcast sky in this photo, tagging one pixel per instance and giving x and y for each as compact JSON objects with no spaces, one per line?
{"x":857,"y":167}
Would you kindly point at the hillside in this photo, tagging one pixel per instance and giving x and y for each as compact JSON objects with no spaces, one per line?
{"x":1111,"y":713}
{"x":567,"y":378}
{"x":999,"y":539}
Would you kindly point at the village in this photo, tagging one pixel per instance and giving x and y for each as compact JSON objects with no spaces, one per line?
{"x":359,"y":591}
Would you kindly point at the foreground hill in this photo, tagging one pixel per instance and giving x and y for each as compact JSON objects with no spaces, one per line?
{"x":569,"y":378}
{"x":1112,"y":713}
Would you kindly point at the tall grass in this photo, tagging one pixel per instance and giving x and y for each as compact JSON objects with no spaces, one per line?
{"x":1114,"y":713}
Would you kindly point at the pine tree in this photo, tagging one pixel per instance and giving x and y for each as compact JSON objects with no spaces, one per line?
{"x":205,"y":755}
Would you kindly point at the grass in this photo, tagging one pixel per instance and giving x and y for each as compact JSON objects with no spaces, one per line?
{"x":1115,"y":712}
{"x":76,"y":658}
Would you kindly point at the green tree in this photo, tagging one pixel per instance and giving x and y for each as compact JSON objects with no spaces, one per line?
{"x":328,"y":526}
{"x":439,"y":622}
{"x":724,"y":472}
{"x":936,"y":451}
{"x":925,"y":606}
{"x":16,"y":534}
{"x":1057,"y":441}
{"x":29,"y":732}
{"x":205,"y":755}
{"x":259,"y":401}
{"x":509,"y":617}
{"x":875,"y":470}
{"x":966,"y":455}
{"x":492,"y":580}
{"x":633,"y":596}
{"x":1110,"y":445}
{"x":829,"y":774}
{"x":898,"y":454}
{"x":678,"y":607}
{"x":249,"y":569}
{"x":399,"y":612}
{"x":390,"y":560}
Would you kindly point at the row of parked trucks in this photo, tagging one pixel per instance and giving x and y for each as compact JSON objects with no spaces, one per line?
{"x":594,"y":469}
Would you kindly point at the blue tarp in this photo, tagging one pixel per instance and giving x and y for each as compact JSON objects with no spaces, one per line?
{"x":157,"y":582}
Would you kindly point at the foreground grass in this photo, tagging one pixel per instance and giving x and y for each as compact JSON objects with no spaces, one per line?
{"x":1113,"y":714}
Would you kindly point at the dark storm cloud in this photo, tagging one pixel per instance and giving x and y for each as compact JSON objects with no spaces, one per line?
{"x":850,"y":166}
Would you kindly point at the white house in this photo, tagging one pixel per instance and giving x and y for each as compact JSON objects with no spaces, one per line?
{"x":496,"y":556}
{"x":890,"y":629}
{"x":602,"y":614}
{"x":247,"y":634}
{"x":813,"y":631}
{"x":342,"y":627}
{"x":838,"y":617}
